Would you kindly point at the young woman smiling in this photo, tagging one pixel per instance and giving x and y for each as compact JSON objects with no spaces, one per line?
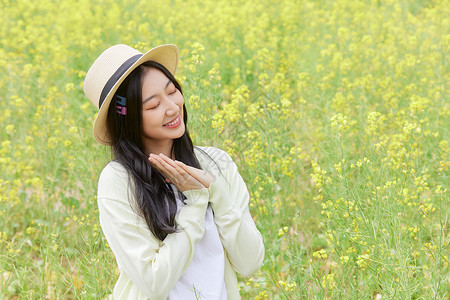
{"x":175,"y":216}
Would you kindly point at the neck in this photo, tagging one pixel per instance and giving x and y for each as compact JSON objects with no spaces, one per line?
{"x":163,"y":147}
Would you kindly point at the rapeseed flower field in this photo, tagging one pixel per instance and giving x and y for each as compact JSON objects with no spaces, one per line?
{"x":336,"y":113}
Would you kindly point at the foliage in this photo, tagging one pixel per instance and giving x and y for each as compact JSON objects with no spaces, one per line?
{"x":336,"y":113}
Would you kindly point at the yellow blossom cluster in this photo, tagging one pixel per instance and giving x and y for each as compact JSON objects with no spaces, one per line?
{"x":335,"y":112}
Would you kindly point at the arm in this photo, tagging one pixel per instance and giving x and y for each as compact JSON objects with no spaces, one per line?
{"x":229,"y":200}
{"x":152,"y":265}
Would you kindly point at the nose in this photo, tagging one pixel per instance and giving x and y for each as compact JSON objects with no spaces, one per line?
{"x":172,"y":108}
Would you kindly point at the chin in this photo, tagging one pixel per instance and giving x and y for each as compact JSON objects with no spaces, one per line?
{"x":181,"y":132}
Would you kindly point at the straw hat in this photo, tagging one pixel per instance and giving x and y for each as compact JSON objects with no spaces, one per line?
{"x":111,"y":68}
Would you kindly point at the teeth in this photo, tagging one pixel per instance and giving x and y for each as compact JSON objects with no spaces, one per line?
{"x":173,"y":122}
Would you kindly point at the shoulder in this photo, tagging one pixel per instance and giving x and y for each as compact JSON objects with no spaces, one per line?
{"x":113,"y":171}
{"x":215,"y":159}
{"x":113,"y":180}
{"x":212,"y":153}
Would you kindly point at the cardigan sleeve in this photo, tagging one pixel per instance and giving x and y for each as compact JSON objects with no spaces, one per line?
{"x":229,"y":199}
{"x":152,"y":265}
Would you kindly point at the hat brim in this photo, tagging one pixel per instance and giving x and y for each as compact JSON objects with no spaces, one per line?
{"x":166,"y":55}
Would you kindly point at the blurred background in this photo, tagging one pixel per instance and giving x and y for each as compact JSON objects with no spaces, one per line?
{"x":336,"y":113}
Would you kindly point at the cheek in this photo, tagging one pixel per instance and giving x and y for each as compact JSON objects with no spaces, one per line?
{"x":180,"y":100}
{"x":149,"y":118}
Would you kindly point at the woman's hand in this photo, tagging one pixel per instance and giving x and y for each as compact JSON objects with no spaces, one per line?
{"x":182,"y":176}
{"x":202,"y":176}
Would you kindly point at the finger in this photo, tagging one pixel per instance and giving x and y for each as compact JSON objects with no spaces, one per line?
{"x":177,"y":175}
{"x":168,"y":160}
{"x":200,"y":175}
{"x":166,"y":167}
{"x":203,"y":176}
{"x":180,"y":178}
{"x":189,"y":169}
{"x":192,"y":171}
{"x":162,"y":167}
{"x":155,"y":162}
{"x":173,"y":163}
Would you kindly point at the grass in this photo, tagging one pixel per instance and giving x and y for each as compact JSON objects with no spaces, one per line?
{"x":336,"y":113}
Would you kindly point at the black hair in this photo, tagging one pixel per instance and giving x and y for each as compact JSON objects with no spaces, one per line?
{"x":155,"y":202}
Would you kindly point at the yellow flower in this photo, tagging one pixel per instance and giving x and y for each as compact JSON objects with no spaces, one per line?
{"x":9,"y":129}
{"x":344,"y":259}
{"x":322,"y":254}
{"x":328,"y":281}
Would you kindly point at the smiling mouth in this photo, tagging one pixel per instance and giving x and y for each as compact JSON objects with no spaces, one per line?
{"x":173,"y":123}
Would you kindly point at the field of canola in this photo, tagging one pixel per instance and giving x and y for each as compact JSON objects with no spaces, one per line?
{"x":337,"y":114}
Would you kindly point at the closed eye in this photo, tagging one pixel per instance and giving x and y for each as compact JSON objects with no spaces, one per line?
{"x":155,"y":106}
{"x":172,"y":89}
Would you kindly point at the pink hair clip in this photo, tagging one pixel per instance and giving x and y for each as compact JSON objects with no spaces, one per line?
{"x":121,"y":110}
{"x":121,"y":103}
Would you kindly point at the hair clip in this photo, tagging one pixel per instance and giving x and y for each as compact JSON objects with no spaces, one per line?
{"x":121,"y":103}
{"x":121,"y":110}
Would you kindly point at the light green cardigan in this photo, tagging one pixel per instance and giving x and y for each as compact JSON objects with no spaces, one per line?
{"x":148,"y":267}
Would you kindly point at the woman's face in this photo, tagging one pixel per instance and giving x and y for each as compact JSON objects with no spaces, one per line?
{"x":162,"y":109}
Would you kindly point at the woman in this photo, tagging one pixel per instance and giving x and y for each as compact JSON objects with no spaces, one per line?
{"x":175,"y":216}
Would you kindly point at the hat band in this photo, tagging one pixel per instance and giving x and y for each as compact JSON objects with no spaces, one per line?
{"x":116,"y":76}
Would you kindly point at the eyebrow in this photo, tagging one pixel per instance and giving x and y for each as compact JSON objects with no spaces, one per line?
{"x":151,"y":97}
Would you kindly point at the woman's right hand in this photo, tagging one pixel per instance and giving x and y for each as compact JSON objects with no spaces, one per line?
{"x":176,"y":173}
{"x":202,"y":176}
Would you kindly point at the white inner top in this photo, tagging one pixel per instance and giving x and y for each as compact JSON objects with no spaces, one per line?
{"x":204,"y":278}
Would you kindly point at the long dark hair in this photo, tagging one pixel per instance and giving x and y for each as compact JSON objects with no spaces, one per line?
{"x":155,"y":202}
